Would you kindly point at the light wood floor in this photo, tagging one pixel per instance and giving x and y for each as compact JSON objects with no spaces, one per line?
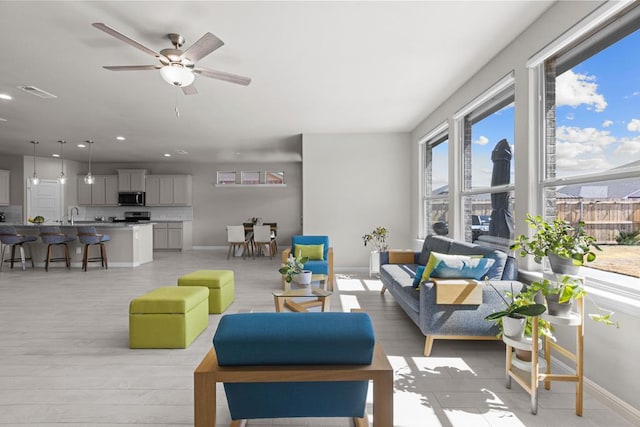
{"x":65,"y":361}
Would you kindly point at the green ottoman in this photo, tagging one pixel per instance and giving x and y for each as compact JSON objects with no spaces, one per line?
{"x":168,"y":317}
{"x":220,"y":284}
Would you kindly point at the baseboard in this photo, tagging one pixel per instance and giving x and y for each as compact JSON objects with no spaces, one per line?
{"x":208,"y":248}
{"x":612,"y":401}
{"x":627,"y":411}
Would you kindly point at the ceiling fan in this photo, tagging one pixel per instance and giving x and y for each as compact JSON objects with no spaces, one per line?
{"x":177,"y":67}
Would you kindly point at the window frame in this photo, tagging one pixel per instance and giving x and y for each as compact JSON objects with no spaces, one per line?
{"x":432,"y":139}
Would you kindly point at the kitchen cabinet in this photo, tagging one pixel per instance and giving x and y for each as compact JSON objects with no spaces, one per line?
{"x":103,"y":192}
{"x":4,"y":187}
{"x":131,"y":179}
{"x":172,"y":235}
{"x":169,"y":190}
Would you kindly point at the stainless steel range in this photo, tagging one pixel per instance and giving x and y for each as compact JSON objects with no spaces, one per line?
{"x":137,"y":216}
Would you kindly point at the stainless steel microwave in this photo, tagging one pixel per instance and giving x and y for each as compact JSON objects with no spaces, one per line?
{"x":131,"y":198}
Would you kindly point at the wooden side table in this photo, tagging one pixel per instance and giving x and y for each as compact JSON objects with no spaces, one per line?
{"x":321,"y":297}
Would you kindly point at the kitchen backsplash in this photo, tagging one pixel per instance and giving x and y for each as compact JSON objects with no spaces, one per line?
{"x":12,"y":213}
{"x":157,"y":213}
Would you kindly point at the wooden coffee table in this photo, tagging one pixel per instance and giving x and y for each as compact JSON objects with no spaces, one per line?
{"x":320,"y":295}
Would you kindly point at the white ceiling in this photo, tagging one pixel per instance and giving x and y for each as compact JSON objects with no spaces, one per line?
{"x":317,"y":67}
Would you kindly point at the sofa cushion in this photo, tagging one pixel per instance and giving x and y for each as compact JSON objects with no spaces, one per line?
{"x":294,"y":338}
{"x":459,"y":266}
{"x":497,"y":269}
{"x":418,"y":277}
{"x":433,"y":243}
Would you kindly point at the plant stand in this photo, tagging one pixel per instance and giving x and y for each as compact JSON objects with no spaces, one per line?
{"x":540,"y":368}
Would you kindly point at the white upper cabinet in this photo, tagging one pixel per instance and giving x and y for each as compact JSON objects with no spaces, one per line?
{"x":4,"y":187}
{"x":104,"y":191}
{"x":168,"y":190}
{"x":131,"y":179}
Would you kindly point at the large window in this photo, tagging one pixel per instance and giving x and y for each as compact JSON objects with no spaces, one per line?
{"x":592,"y":149}
{"x":488,"y":159}
{"x":436,"y":184}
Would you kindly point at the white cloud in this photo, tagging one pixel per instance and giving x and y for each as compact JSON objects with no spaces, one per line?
{"x":594,"y":164}
{"x":607,"y":123}
{"x":591,"y":137}
{"x":629,"y":145}
{"x":482,"y":140}
{"x":576,"y":89}
{"x":634,"y":125}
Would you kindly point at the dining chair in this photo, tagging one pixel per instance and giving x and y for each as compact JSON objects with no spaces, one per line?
{"x":274,"y":234}
{"x":238,"y":239}
{"x":10,"y":239}
{"x":262,"y":239}
{"x":51,"y":236}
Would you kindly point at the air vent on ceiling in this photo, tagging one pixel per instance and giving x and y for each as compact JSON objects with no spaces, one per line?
{"x":37,"y":92}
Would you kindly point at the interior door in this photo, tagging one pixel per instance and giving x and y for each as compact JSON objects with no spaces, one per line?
{"x":45,"y":199}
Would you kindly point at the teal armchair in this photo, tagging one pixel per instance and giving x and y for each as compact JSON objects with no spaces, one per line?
{"x":323,"y":265}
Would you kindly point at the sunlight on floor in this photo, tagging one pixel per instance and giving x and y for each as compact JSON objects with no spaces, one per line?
{"x":439,"y":364}
{"x":349,"y":302}
{"x":347,"y":283}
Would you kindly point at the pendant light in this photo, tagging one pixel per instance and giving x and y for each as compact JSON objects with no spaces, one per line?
{"x":62,"y":179}
{"x":88,"y":178}
{"x":34,"y":179}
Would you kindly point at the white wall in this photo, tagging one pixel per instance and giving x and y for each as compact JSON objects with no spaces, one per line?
{"x":353,"y":183}
{"x":610,"y":354}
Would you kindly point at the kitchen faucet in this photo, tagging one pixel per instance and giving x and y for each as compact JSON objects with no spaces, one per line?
{"x":77,"y":213}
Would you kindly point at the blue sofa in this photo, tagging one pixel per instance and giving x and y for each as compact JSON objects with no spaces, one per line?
{"x":448,"y":321}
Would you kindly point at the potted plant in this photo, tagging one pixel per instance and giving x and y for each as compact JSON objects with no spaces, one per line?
{"x":513,"y":319}
{"x":566,"y":246}
{"x":294,"y":266}
{"x":377,"y":238}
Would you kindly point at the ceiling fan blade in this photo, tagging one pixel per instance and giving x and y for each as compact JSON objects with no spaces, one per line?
{"x":203,"y":47}
{"x":131,"y":67}
{"x":220,"y":75}
{"x":189,"y":90}
{"x":107,"y":29}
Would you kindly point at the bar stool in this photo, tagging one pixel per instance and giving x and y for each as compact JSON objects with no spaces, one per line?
{"x":9,"y":237}
{"x":52,"y":236}
{"x":89,"y":236}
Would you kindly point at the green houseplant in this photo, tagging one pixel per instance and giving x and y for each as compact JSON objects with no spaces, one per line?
{"x":558,"y":240}
{"x":292,"y":267}
{"x":561,"y":294}
{"x":515,"y":320}
{"x":377,"y":238}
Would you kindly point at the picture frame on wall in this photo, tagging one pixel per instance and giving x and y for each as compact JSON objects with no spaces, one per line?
{"x":274,"y":177}
{"x":250,"y":177}
{"x":227,"y":178}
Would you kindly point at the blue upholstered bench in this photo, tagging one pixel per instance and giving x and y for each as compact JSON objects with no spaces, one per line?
{"x":284,"y":365}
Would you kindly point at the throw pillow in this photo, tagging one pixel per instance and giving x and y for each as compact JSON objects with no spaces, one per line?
{"x":418,"y":277}
{"x":313,"y":252}
{"x":460,"y":266}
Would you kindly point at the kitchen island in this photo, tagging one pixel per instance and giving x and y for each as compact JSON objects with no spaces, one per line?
{"x":131,"y":244}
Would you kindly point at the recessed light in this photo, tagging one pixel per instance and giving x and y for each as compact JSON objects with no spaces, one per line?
{"x":81,"y":145}
{"x":167,"y":155}
{"x":120,"y":138}
{"x":55,"y":155}
{"x":5,"y":96}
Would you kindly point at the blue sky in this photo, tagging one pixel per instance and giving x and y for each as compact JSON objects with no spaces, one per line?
{"x":597,"y":118}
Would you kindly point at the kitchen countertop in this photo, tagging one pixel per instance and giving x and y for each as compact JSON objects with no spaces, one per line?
{"x":99,"y":224}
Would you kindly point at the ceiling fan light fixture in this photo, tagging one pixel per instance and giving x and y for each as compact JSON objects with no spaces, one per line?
{"x":177,"y":75}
